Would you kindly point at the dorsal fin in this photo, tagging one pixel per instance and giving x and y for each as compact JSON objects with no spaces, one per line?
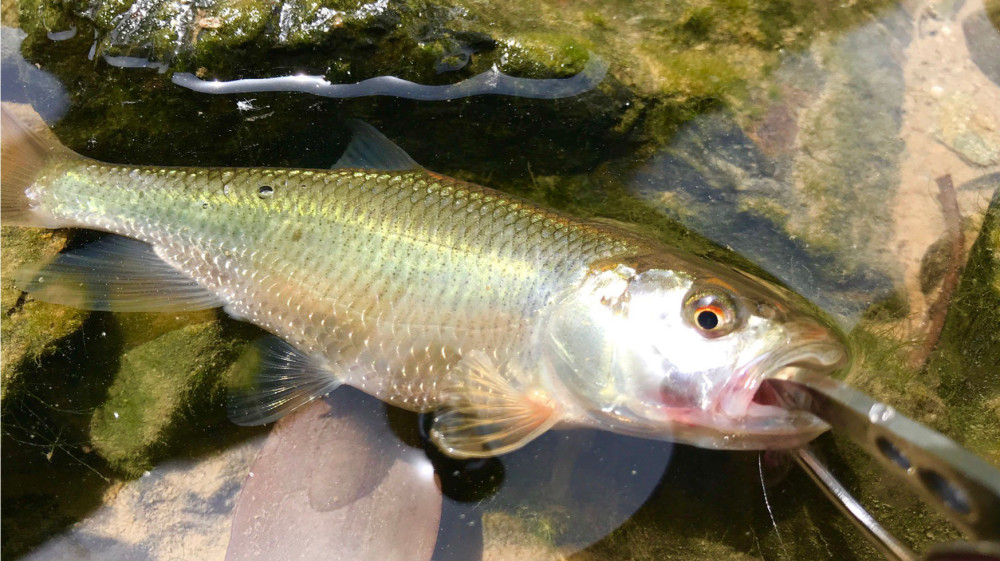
{"x":370,"y":149}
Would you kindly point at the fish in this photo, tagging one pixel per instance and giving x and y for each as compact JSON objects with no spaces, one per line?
{"x":500,"y":318}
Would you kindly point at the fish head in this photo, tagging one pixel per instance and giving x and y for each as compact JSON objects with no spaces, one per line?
{"x":679,"y":350}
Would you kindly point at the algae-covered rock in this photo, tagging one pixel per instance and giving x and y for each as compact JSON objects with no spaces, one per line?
{"x":802,"y":189}
{"x":158,"y":384}
{"x":686,"y":47}
{"x":29,"y":329}
{"x":969,"y":350}
{"x":667,"y":64}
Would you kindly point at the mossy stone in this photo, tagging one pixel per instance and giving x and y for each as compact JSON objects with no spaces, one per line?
{"x":152,"y":393}
{"x":29,"y":329}
{"x":968,"y":352}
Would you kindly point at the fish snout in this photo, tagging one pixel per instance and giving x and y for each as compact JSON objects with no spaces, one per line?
{"x":813,"y":346}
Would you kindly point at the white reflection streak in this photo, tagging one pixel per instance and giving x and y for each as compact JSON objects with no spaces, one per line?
{"x":491,"y":82}
{"x":62,"y":35}
{"x":134,"y":62}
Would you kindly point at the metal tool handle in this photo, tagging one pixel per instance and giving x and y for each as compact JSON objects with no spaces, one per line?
{"x":963,"y":487}
{"x":887,"y":544}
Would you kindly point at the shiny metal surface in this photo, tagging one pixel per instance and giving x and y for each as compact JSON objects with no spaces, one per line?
{"x":888,"y":545}
{"x":963,"y":487}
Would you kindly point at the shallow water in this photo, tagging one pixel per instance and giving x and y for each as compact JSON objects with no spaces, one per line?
{"x":806,"y":138}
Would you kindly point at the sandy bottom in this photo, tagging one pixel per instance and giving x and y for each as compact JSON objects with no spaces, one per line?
{"x":947,"y":98}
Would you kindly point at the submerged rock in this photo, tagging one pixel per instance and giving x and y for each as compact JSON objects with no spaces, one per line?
{"x":153,"y":392}
{"x":30,"y":330}
{"x":969,"y":349}
{"x":803,"y":190}
{"x":182,"y":509}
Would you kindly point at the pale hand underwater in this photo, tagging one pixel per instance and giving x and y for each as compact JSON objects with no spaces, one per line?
{"x":427,"y":292}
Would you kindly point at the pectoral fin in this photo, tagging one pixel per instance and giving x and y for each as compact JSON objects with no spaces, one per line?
{"x":278,"y":379}
{"x":486,"y":415}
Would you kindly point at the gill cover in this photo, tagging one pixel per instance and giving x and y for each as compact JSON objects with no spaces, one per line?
{"x":602,"y":345}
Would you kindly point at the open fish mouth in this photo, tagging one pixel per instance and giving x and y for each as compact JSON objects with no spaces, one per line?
{"x":753,"y":413}
{"x":822,"y":357}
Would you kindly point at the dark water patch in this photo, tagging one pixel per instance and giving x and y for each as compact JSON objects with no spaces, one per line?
{"x":51,"y":475}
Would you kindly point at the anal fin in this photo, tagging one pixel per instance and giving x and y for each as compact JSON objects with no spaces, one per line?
{"x":281,"y":379}
{"x":486,"y":415}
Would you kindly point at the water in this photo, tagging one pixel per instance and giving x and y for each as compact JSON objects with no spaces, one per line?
{"x":806,"y":137}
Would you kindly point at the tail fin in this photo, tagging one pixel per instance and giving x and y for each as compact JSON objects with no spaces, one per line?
{"x":27,"y":146}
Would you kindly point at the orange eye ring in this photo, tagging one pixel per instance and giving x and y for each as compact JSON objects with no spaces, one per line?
{"x":709,"y":317}
{"x":712,"y":311}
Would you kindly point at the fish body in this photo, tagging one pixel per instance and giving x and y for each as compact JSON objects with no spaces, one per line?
{"x":430,"y":293}
{"x":388,"y":276}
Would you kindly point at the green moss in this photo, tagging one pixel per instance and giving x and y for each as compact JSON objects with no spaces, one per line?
{"x":549,"y":54}
{"x":969,"y":349}
{"x":993,"y":12}
{"x":46,"y":16}
{"x":893,"y":307}
{"x":163,"y":40}
{"x":885,"y":372}
{"x":30,"y":330}
{"x":242,"y":20}
{"x":106,"y":12}
{"x":152,"y":392}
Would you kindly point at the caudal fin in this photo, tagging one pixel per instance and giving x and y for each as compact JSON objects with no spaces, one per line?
{"x":26,"y":147}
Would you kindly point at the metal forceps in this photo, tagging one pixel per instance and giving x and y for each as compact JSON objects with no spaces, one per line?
{"x":963,"y":487}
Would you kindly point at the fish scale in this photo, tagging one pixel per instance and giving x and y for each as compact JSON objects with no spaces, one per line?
{"x":411,"y":267}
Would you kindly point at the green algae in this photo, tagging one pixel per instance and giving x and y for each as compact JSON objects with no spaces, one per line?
{"x":30,"y":330}
{"x":154,"y":390}
{"x":969,"y":349}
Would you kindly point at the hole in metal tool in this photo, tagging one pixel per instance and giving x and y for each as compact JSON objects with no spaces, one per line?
{"x":949,"y":493}
{"x":893,"y":454}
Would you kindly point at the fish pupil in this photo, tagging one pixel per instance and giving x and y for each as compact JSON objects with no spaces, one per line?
{"x":707,"y":320}
{"x":265,"y":191}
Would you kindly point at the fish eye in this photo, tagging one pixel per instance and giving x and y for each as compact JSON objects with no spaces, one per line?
{"x":712,"y":310}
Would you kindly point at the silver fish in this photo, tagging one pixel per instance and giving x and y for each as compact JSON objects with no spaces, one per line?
{"x":430,"y":293}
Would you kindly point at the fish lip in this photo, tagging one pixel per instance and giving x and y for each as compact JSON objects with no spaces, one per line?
{"x":752,"y":412}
